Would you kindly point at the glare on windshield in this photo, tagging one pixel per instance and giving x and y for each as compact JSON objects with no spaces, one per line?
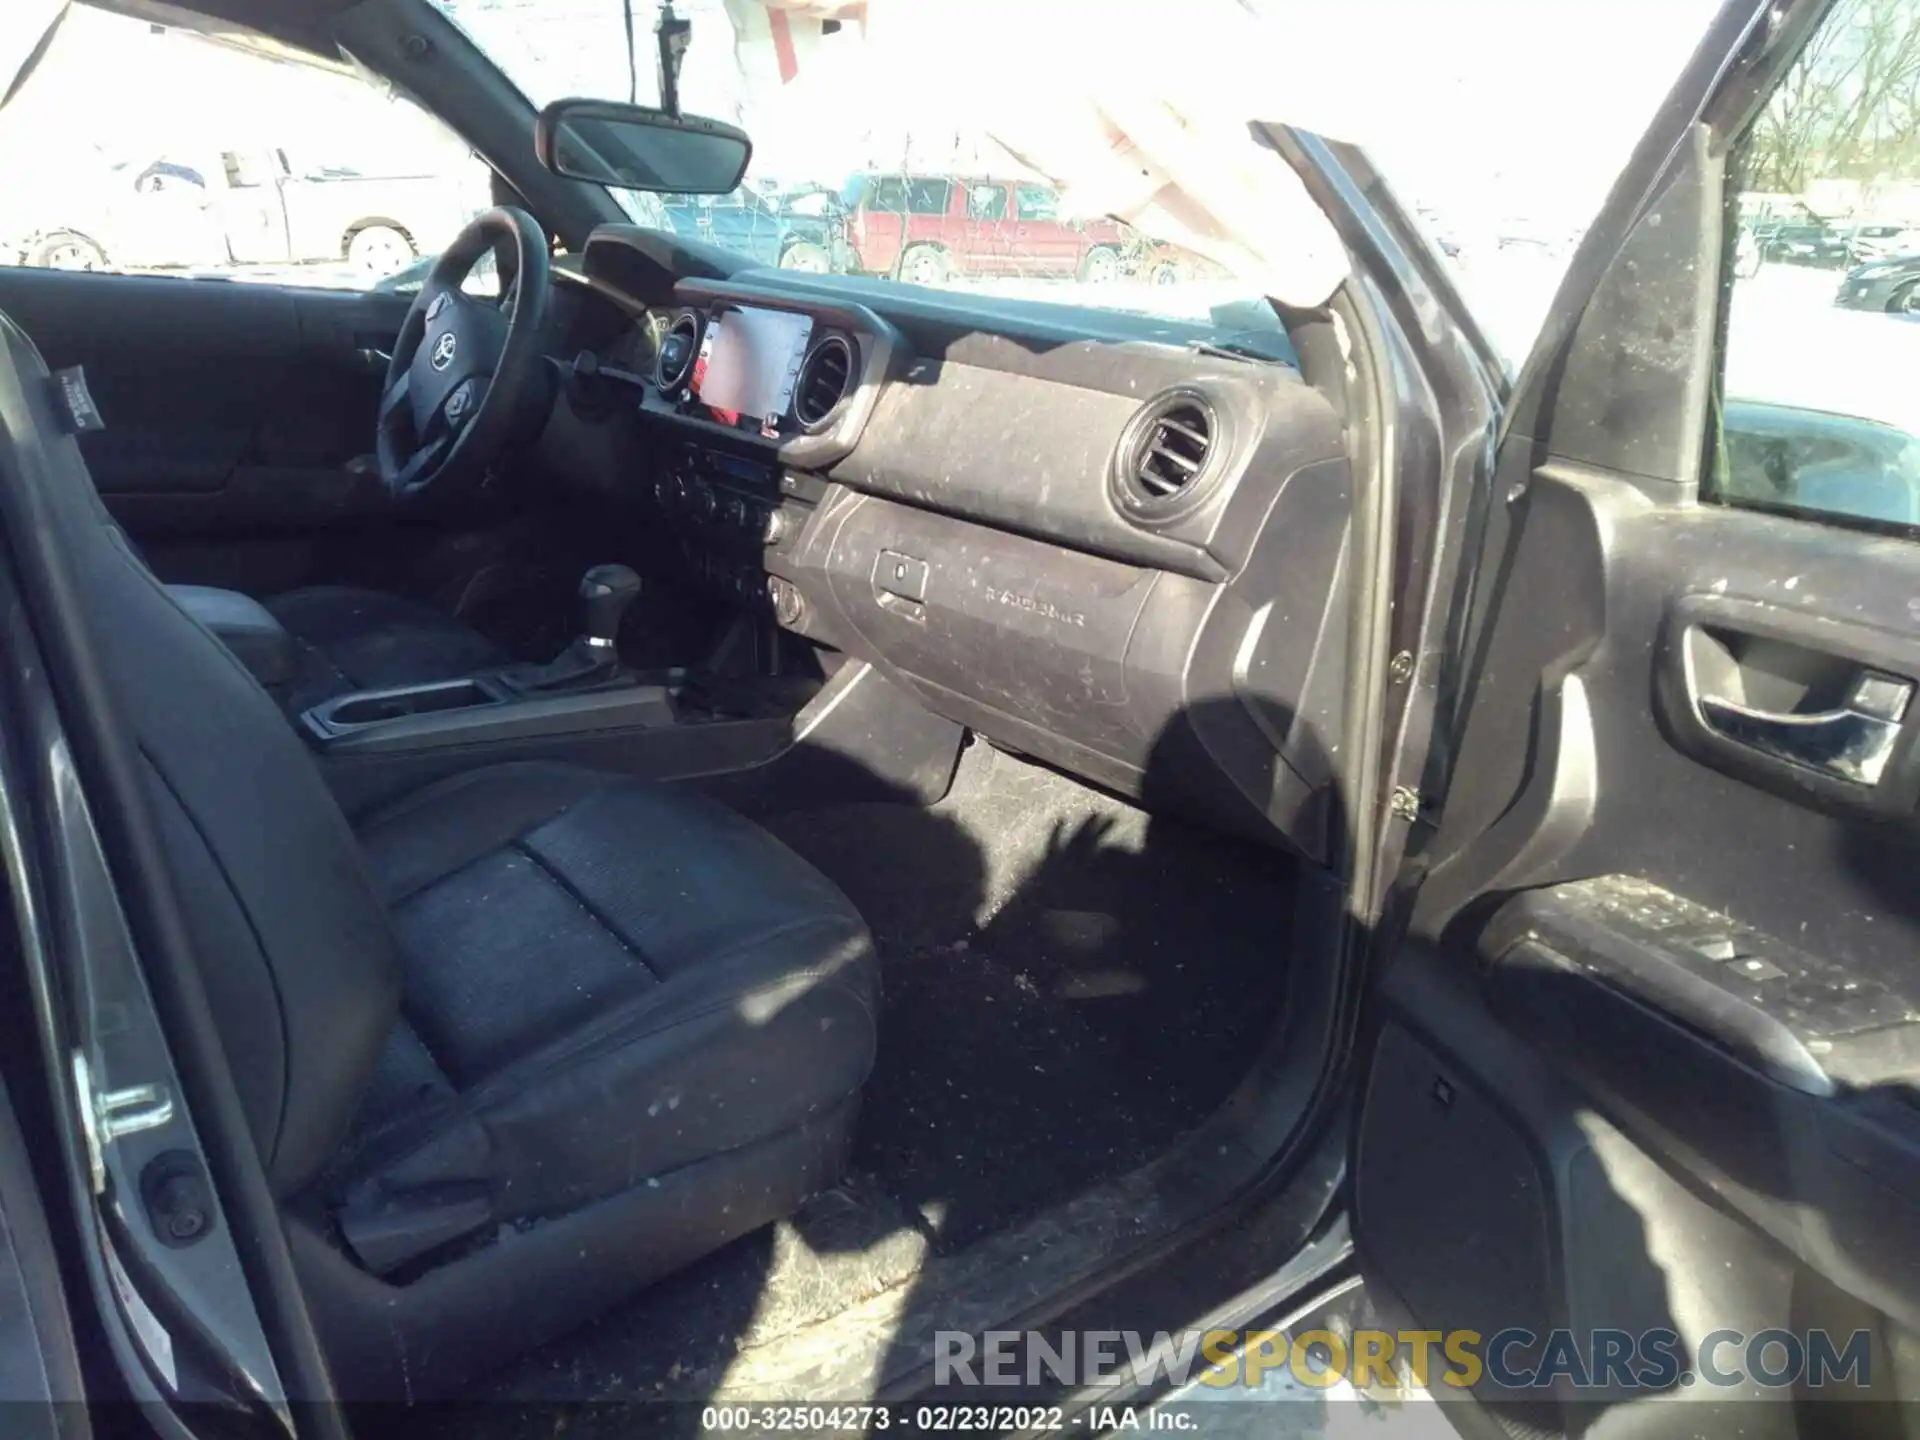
{"x":972,"y":143}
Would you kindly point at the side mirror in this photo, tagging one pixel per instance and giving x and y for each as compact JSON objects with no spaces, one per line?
{"x":634,"y":148}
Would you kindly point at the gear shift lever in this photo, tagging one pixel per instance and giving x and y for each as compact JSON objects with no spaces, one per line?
{"x":605,"y":593}
{"x":592,"y":659}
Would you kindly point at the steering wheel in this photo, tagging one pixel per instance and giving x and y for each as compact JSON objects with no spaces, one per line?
{"x":464,"y":369}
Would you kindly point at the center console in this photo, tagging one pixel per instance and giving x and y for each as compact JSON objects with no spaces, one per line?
{"x":736,"y":517}
{"x":761,"y":396}
{"x":760,"y":744}
{"x":479,"y":710}
{"x":756,"y":732}
{"x":583,"y":690}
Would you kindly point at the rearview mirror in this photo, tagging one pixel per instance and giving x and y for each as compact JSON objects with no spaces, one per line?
{"x":634,"y":148}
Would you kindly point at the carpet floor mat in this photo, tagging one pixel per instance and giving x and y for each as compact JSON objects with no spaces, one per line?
{"x":1067,"y":984}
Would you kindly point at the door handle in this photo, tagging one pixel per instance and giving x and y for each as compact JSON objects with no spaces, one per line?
{"x":1853,"y":742}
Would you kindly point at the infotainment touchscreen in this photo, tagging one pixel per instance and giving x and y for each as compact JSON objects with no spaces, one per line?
{"x":745,"y":371}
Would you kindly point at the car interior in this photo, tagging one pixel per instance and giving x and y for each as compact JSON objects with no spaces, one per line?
{"x":672,"y":828}
{"x":672,"y":880}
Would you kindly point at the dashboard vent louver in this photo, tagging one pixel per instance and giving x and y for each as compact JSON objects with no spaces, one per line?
{"x":679,"y":348}
{"x":1165,"y":452}
{"x":826,"y":378}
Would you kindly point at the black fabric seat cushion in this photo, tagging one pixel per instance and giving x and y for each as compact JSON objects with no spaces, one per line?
{"x":354,"y":639}
{"x":602,"y":980}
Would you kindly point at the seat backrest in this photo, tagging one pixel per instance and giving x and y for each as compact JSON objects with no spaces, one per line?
{"x":294,"y":947}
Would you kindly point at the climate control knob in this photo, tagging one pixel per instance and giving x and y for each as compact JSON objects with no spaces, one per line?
{"x":701,"y":501}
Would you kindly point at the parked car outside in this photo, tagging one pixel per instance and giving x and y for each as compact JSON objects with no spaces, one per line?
{"x":61,"y":218}
{"x":1890,"y":285}
{"x":1786,"y":228}
{"x":227,"y":207}
{"x":1161,"y":262}
{"x":924,"y":228}
{"x":757,"y":223}
{"x":1883,"y":242}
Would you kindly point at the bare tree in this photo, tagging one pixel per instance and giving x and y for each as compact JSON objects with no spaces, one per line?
{"x":1848,"y":108}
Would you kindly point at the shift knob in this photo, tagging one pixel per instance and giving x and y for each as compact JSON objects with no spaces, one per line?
{"x":605,"y":593}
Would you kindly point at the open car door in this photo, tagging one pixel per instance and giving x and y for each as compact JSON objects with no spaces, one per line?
{"x":1643,"y":1103}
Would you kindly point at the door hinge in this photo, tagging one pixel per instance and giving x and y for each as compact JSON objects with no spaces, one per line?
{"x":1405,"y":803}
{"x":106,"y":1115}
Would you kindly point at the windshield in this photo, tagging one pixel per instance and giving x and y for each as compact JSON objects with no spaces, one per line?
{"x":1100,"y":154}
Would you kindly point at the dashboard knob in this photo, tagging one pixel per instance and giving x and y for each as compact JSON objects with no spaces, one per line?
{"x":788,"y":606}
{"x":773,"y":527}
{"x":701,"y":500}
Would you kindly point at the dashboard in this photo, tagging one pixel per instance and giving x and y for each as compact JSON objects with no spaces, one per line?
{"x":1104,"y":540}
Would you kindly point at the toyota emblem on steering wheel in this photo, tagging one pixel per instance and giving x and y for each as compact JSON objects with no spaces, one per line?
{"x":443,"y":349}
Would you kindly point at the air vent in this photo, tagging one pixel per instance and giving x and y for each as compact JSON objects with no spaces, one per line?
{"x":1163,"y":456}
{"x":825,"y":379}
{"x":679,"y":348}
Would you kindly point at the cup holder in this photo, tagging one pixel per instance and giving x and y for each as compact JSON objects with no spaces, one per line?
{"x":477,"y":710}
{"x":376,"y":707}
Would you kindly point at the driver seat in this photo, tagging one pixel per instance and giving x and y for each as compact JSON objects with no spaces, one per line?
{"x":348,"y":638}
{"x":508,"y":1050}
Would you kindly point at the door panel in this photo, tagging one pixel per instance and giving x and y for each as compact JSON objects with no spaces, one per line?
{"x":230,"y":408}
{"x":1671,"y":982}
{"x":1602,"y":587}
{"x":1648,"y":1056}
{"x":1761,"y":924}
